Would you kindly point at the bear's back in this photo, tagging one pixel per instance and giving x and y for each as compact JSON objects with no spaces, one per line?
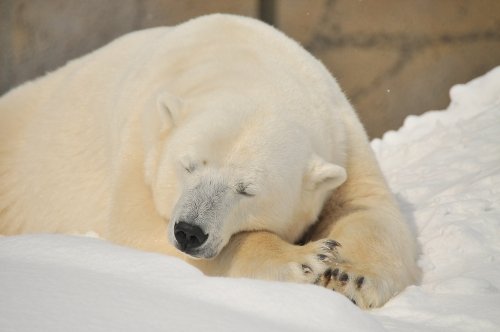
{"x":63,"y":135}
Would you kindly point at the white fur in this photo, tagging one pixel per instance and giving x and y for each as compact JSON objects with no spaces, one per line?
{"x":222,"y":121}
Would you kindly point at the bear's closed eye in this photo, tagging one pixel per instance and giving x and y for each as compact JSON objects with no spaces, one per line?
{"x":190,"y":168}
{"x":243,"y":189}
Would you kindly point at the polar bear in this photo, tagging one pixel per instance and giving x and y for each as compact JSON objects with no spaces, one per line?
{"x":220,"y":141}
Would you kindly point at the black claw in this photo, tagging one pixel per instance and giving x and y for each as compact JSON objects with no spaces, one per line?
{"x":307,"y":269}
{"x":359,"y":282}
{"x":353,"y":301}
{"x":330,"y":244}
{"x":335,"y":273}
{"x":343,"y":277}
{"x":322,"y":257}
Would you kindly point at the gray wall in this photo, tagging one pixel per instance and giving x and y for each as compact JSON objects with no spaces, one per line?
{"x":392,"y":57}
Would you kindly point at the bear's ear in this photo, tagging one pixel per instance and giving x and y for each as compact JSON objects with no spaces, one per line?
{"x":324,"y":175}
{"x":169,"y":109}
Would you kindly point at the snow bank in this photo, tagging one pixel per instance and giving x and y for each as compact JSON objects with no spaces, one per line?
{"x":64,"y":283}
{"x":444,"y":167}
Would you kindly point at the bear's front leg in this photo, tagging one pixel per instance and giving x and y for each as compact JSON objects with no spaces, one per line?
{"x":377,"y":258}
{"x":263,"y":255}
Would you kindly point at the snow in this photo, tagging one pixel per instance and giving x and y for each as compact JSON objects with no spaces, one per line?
{"x":444,"y":167}
{"x":64,"y":283}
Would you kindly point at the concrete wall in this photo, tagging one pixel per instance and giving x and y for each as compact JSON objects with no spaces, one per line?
{"x":392,"y":57}
{"x":397,"y":57}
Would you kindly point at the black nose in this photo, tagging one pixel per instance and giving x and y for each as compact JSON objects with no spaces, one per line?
{"x":189,"y":236}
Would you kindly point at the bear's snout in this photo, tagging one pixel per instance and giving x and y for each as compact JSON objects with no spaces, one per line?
{"x":189,"y":236}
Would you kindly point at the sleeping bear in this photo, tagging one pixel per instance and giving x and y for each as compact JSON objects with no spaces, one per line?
{"x":220,"y":141}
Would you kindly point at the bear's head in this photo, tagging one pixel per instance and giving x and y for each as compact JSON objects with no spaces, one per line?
{"x":217,"y":172}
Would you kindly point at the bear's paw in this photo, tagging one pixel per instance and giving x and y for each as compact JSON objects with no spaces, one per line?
{"x":312,"y":260}
{"x":360,"y":287}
